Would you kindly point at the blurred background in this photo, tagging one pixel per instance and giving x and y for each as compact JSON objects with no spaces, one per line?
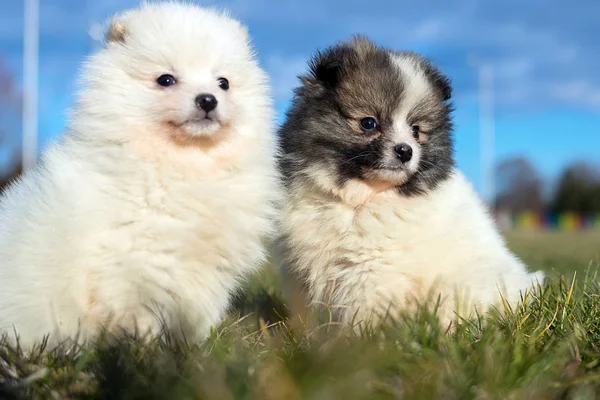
{"x":525,"y":75}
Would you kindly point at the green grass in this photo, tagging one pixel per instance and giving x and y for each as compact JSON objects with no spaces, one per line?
{"x":561,"y":252}
{"x":549,"y":348}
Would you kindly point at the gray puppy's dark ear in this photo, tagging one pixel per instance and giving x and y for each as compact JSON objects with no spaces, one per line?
{"x":328,"y":71}
{"x":327,"y":68}
{"x":440,"y":81}
{"x":445,"y":86}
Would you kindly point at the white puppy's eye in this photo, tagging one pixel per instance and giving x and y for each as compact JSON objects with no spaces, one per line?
{"x":368,"y":124}
{"x":223,"y":83}
{"x":166,"y":80}
{"x":415,"y":131}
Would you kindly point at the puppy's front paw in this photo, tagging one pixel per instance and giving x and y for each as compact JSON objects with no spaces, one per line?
{"x":142,"y":322}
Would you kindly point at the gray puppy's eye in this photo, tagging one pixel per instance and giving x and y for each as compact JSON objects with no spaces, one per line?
{"x":368,"y":124}
{"x":415,"y":131}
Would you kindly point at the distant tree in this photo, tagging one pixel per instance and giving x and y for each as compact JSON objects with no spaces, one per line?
{"x":10,"y":127}
{"x":519,"y":186}
{"x":578,"y":189}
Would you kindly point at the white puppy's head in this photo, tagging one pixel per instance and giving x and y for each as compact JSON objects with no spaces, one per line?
{"x":177,"y":69}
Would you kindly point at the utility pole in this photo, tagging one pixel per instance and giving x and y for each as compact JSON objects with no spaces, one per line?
{"x":486,"y":129}
{"x":30,"y":83}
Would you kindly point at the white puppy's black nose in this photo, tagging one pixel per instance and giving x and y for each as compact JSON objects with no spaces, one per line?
{"x":403,"y":152}
{"x":206,"y":101}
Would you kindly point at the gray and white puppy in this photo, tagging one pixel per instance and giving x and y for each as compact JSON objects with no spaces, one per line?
{"x":376,"y":214}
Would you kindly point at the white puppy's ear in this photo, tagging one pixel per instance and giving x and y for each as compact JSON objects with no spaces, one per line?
{"x":117,"y":31}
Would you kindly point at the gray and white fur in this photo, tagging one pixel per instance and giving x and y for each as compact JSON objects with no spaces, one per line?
{"x":376,"y":213}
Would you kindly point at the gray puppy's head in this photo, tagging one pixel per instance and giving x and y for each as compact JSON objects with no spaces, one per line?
{"x":370,"y":115}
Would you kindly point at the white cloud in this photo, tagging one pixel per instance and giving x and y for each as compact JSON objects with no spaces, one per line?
{"x":576,"y":92}
{"x":428,"y":30}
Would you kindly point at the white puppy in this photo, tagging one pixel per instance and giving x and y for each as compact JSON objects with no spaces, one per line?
{"x":157,"y":199}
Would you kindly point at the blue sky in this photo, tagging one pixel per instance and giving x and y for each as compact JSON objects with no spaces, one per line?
{"x":545,"y":53}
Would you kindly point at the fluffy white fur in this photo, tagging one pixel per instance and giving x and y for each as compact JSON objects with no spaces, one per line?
{"x":365,"y":253}
{"x":144,"y":207}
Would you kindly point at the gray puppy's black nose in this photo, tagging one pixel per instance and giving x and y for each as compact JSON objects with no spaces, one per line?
{"x":403,"y":152}
{"x":206,"y":101}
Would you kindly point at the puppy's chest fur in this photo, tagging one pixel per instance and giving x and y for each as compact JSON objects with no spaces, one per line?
{"x":384,"y":250}
{"x":180,"y":237}
{"x":341,"y":237}
{"x":187,"y":219}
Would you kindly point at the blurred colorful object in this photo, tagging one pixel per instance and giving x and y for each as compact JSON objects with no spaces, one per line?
{"x":533,"y":221}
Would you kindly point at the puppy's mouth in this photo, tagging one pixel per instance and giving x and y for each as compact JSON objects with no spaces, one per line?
{"x":394,"y":174}
{"x":200,"y":120}
{"x":390,"y":168}
{"x":198,"y":124}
